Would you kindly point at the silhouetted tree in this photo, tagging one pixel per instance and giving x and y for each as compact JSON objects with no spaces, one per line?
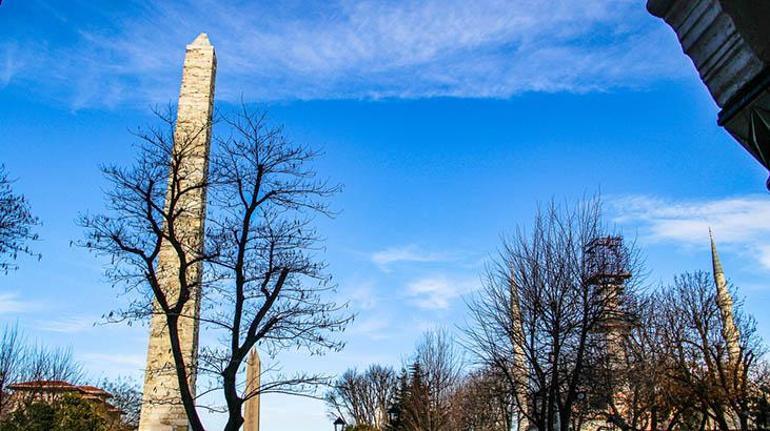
{"x":21,"y":361}
{"x":416,"y":403}
{"x":649,"y":400}
{"x":398,"y":402}
{"x":126,"y":396}
{"x":440,"y":364}
{"x":425,"y":395}
{"x":363,"y":399}
{"x":536,"y":321}
{"x":11,"y":357}
{"x":16,"y":224}
{"x":264,"y":281}
{"x":701,"y":370}
{"x":482,"y":402}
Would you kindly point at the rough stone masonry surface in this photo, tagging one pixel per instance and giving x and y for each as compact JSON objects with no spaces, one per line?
{"x":162,"y":408}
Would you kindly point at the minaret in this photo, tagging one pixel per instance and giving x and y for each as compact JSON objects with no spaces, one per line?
{"x":253,"y":381}
{"x":162,"y":408}
{"x":730,"y":332}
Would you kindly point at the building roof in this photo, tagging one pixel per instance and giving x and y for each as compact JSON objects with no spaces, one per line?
{"x":55,"y":385}
{"x":59,"y":386}
{"x":93,"y":390}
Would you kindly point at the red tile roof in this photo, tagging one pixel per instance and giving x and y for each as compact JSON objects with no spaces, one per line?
{"x":93,"y":390}
{"x":43,"y":384}
{"x":59,"y":386}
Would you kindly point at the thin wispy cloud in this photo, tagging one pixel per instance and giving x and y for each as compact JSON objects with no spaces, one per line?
{"x":11,"y":303}
{"x":377,"y":327}
{"x":67,"y":325}
{"x":363,"y":295}
{"x":406,"y":254}
{"x":116,"y":360}
{"x":742,"y":222}
{"x":356,"y":49}
{"x":438,"y":292}
{"x":8,"y":65}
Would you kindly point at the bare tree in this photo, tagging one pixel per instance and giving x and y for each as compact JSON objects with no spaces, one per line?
{"x":701,"y":369}
{"x":363,"y":399}
{"x":425,"y":395}
{"x":678,"y":372}
{"x":548,"y":304}
{"x":263,"y":280}
{"x":647,"y":398}
{"x":11,"y":362}
{"x":16,"y":224}
{"x":482,"y":402}
{"x":126,"y":396}
{"x":21,"y":361}
{"x":441,"y":363}
{"x":44,"y":363}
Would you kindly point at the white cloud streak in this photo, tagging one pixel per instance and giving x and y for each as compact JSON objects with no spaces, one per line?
{"x":363,"y":295}
{"x":377,"y":327}
{"x":361,"y":49}
{"x":437,"y":292}
{"x":67,"y":325}
{"x":741,"y":222}
{"x":129,"y":361}
{"x":405,"y":254}
{"x":11,"y":303}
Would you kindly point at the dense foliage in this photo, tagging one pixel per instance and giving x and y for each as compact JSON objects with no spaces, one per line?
{"x":65,"y":414}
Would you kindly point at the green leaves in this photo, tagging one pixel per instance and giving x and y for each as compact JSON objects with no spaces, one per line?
{"x":63,"y":414}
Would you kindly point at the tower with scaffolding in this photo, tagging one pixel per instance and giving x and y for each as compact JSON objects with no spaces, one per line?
{"x":606,"y":269}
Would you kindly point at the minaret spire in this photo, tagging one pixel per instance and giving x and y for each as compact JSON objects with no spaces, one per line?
{"x":730,"y":332}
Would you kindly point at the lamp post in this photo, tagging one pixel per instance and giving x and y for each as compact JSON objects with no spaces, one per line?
{"x":339,"y":424}
{"x":393,"y":414}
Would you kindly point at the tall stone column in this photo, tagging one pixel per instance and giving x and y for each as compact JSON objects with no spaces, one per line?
{"x":162,"y":408}
{"x":520,"y":372}
{"x":253,"y":382}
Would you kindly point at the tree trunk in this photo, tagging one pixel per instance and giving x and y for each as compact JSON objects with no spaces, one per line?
{"x":234,"y":403}
{"x":181,"y":372}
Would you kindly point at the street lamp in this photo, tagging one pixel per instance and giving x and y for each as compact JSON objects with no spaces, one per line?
{"x":339,"y":424}
{"x":393,"y":415}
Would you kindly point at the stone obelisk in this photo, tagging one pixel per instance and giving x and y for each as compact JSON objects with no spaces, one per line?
{"x":730,"y":332}
{"x":253,"y":382}
{"x":520,"y":371}
{"x":162,"y":409}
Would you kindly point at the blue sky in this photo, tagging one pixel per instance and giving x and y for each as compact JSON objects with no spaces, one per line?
{"x":446,"y":121}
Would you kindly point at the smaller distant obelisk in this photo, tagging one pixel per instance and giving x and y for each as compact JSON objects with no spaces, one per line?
{"x":730,"y":332}
{"x":520,"y":374}
{"x":253,"y":381}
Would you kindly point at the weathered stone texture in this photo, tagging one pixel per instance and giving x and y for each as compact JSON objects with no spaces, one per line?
{"x":162,"y":409}
{"x":253,"y":382}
